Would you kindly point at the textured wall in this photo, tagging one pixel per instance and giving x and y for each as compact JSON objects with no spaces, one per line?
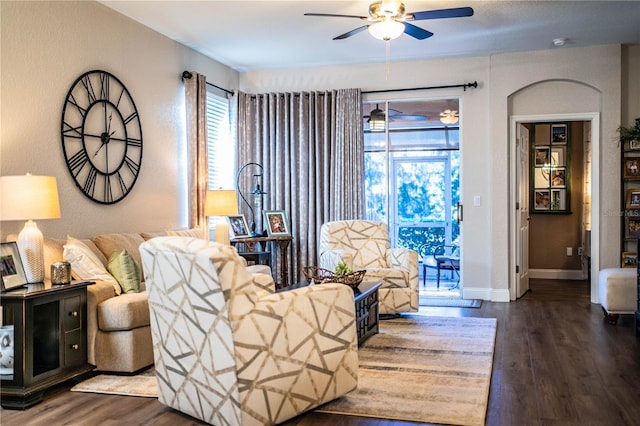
{"x":45,"y":47}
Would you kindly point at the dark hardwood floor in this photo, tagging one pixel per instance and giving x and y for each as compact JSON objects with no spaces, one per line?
{"x":556,"y":362}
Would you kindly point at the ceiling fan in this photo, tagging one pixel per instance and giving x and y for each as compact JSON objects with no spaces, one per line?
{"x":449,"y":116}
{"x":388,"y":20}
{"x":394,"y":114}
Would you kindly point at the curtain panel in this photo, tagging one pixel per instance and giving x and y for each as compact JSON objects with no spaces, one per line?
{"x":312,"y":150}
{"x":196,"y":112}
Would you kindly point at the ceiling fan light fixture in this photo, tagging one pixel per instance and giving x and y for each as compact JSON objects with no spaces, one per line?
{"x":387,"y":29}
{"x":376,"y":125}
{"x":449,"y":117}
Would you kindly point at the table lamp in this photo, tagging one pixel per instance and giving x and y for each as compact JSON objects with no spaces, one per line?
{"x":221,"y":202}
{"x":27,"y":198}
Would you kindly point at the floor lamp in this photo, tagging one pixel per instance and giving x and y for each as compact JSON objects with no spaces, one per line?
{"x":27,"y":198}
{"x":221,"y":202}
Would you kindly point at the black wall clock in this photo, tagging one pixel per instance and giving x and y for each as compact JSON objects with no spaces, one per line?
{"x":101,"y":137}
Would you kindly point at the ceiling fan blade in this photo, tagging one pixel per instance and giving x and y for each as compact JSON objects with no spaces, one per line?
{"x":457,"y":12}
{"x":351,"y":33}
{"x":409,"y":117}
{"x":416,"y":32}
{"x":336,"y":16}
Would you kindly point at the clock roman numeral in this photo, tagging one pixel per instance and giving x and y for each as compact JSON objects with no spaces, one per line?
{"x":123,"y":185}
{"x":72,"y":132}
{"x":72,"y":101}
{"x":104,"y":85}
{"x":108,"y":194}
{"x":90,"y":184}
{"x":133,"y":142}
{"x":91,"y":95}
{"x":133,"y":166}
{"x":77,"y":161}
{"x":130,"y":117}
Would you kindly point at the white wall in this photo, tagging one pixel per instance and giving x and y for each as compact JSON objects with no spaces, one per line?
{"x":45,"y":46}
{"x":485,"y":132}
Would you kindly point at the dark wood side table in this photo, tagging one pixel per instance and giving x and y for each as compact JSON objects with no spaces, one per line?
{"x":367,"y":307}
{"x":257,"y":247}
{"x":50,"y":340}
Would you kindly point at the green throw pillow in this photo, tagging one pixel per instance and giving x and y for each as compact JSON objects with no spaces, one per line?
{"x":125,"y":270}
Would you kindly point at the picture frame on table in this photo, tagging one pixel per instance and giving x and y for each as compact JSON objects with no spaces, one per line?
{"x":634,"y":145}
{"x":633,"y":199}
{"x":11,"y":268}
{"x":238,"y":226}
{"x":631,"y":168}
{"x":276,"y":223}
{"x":629,"y":259}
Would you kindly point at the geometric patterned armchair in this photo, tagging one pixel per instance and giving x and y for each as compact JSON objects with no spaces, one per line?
{"x":230,"y":351}
{"x":363,"y":244}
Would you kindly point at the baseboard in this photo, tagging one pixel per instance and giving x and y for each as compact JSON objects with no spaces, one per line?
{"x":489,"y":294}
{"x":557,"y":274}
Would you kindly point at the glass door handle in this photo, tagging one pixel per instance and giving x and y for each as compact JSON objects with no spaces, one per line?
{"x":459,"y":212}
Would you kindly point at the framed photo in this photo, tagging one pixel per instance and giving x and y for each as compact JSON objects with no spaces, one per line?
{"x":633,"y":198}
{"x":543,"y":201}
{"x":238,"y":226}
{"x":558,"y":177}
{"x":276,"y":223}
{"x":11,"y":268}
{"x":558,"y":133}
{"x":633,"y":226}
{"x":558,"y":199}
{"x":629,"y":259}
{"x":634,"y":145}
{"x":557,"y":156}
{"x":631,"y":168}
{"x":542,"y":156}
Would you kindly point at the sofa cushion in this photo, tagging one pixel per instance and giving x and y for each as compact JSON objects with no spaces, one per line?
{"x":184,"y":232}
{"x":125,"y":270}
{"x":85,"y":264}
{"x":149,"y":235}
{"x":125,"y":312}
{"x":110,"y":243}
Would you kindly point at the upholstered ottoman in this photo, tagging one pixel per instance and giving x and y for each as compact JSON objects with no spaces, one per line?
{"x":618,"y":292}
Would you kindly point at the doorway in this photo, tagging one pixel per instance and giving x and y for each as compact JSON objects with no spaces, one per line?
{"x":519,"y":196}
{"x":412,"y":180}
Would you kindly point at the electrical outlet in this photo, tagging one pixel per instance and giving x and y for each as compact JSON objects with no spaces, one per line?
{"x":569,"y":251}
{"x":579,"y":251}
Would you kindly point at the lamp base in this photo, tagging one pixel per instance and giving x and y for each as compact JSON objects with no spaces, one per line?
{"x":30,"y":246}
{"x":222,"y":232}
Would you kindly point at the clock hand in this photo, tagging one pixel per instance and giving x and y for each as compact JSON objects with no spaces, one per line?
{"x":101,"y":145}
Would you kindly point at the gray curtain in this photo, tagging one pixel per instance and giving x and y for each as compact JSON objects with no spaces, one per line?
{"x":196,"y":111}
{"x":312,"y":150}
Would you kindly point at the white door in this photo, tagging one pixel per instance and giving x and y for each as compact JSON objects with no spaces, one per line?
{"x":522,"y":213}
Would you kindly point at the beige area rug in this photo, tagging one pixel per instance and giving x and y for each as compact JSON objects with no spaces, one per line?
{"x":418,"y":368}
{"x":143,"y":384}
{"x":424,"y":369}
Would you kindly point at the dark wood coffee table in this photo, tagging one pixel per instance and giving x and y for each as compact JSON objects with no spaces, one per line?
{"x":365,"y":297}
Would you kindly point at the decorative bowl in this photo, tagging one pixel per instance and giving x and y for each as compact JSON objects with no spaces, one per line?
{"x":322,"y":276}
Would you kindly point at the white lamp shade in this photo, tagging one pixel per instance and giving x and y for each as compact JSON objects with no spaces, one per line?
{"x":29,"y":197}
{"x":25,"y":198}
{"x":387,"y":29}
{"x":221,"y":202}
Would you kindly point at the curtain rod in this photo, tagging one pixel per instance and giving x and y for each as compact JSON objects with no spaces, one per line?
{"x":464,"y":86}
{"x":187,"y":74}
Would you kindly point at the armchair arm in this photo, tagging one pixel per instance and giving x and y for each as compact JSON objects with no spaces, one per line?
{"x":307,"y":335}
{"x":264,"y":284}
{"x":330,"y":259}
{"x":404,"y":259}
{"x":96,"y":294}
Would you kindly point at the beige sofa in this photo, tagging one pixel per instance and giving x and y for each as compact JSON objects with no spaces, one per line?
{"x":118,"y":331}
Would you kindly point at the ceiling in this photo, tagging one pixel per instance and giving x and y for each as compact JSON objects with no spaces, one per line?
{"x":259,"y":35}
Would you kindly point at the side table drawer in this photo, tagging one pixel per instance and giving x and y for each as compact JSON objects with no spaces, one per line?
{"x":71,"y":313}
{"x":74,"y":353}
